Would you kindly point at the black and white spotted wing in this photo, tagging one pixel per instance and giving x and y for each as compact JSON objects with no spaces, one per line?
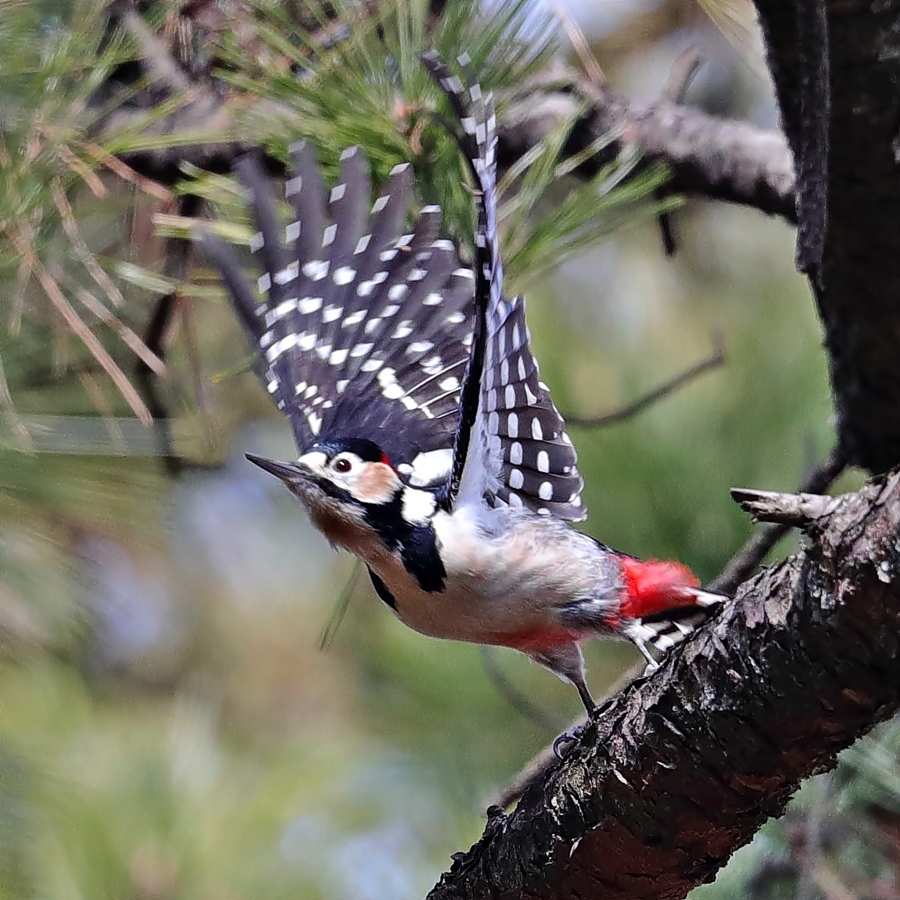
{"x":511,"y":444}
{"x":364,"y":330}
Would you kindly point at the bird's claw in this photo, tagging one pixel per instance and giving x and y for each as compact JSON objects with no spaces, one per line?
{"x":565,"y":739}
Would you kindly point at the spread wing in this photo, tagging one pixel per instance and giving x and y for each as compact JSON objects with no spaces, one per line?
{"x":362,"y":330}
{"x":511,"y":446}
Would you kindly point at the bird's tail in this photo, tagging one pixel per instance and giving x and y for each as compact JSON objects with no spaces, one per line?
{"x":662,"y":631}
{"x":665,"y":604}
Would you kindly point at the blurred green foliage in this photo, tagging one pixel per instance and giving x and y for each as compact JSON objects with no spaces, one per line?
{"x":168,"y":727}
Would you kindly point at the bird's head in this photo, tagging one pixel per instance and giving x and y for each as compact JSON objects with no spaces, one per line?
{"x":342,"y":483}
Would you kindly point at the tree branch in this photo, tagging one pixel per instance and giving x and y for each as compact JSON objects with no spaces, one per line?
{"x":744,"y":563}
{"x":160,"y":62}
{"x":636,"y":407}
{"x":798,"y":510}
{"x":719,"y":159}
{"x":671,"y":776}
{"x":856,"y":282}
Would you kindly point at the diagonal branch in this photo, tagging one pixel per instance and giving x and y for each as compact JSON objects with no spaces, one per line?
{"x":672,"y":776}
{"x":636,"y":407}
{"x":708,"y":156}
{"x":715,"y":158}
{"x":744,"y":563}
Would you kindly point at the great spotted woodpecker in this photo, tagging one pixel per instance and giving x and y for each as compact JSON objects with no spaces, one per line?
{"x":429,"y":447}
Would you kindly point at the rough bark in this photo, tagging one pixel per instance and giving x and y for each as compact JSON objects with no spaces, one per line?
{"x":707,"y":156}
{"x":680,"y":769}
{"x":857,"y":284}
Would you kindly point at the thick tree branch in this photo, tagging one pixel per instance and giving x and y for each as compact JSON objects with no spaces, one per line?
{"x":680,"y":769}
{"x":720,"y":159}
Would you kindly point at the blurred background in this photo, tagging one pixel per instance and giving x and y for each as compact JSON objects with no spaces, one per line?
{"x":170,"y":726}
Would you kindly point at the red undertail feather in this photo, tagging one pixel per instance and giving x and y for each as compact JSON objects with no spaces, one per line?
{"x":653,"y":587}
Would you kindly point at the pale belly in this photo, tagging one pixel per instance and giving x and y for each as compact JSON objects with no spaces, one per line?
{"x":501,"y":591}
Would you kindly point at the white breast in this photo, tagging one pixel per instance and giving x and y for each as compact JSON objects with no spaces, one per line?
{"x":507,"y":573}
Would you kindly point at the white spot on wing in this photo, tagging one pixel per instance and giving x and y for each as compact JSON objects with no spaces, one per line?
{"x":309,"y":305}
{"x":316,"y":269}
{"x":344,"y":275}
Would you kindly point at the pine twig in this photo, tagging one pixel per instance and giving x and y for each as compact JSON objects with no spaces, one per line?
{"x":742,"y":565}
{"x":629,"y":411}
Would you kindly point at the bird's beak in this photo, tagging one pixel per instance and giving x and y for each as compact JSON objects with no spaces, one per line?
{"x":283,"y":470}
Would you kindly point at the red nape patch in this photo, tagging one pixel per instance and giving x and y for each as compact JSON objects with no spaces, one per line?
{"x":653,"y":587}
{"x":386,"y":461}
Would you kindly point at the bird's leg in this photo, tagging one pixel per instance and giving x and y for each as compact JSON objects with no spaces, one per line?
{"x":567,"y":662}
{"x":572,"y":734}
{"x":585,"y":695}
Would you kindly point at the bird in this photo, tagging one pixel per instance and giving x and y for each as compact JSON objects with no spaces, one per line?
{"x":428,"y":445}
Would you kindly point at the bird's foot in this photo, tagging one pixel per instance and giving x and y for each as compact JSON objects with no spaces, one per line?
{"x":561,"y":745}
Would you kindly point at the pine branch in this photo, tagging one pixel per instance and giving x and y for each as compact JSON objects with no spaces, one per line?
{"x":709,"y":157}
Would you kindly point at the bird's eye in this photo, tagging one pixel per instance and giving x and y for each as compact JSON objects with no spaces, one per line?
{"x":342,"y":465}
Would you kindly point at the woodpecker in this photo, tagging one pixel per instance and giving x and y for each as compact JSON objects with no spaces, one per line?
{"x":429,"y":447}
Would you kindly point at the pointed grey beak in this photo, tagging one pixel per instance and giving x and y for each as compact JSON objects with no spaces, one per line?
{"x":283,"y":470}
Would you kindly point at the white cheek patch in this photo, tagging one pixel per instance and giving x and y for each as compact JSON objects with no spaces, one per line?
{"x":418,"y":506}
